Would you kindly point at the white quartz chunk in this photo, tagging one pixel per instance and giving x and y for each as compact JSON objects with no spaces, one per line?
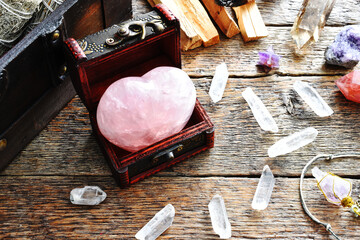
{"x":88,"y":195}
{"x":219,"y":218}
{"x":261,"y":114}
{"x":293,"y":142}
{"x":313,"y":99}
{"x":264,"y":189}
{"x":218,"y":83}
{"x":158,"y":224}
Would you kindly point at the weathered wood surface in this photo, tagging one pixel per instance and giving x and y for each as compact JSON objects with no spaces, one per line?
{"x":36,"y":186}
{"x":241,"y":57}
{"x":39,"y":208}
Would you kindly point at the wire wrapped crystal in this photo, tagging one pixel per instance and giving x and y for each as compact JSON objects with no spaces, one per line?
{"x":336,"y":190}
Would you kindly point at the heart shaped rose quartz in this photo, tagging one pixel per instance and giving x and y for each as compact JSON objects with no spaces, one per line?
{"x":135,"y":112}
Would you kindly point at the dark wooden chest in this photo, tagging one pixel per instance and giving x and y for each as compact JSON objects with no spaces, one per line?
{"x":33,"y":75}
{"x":95,"y":65}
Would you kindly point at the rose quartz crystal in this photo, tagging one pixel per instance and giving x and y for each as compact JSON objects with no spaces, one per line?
{"x":135,"y":112}
{"x":349,"y":85}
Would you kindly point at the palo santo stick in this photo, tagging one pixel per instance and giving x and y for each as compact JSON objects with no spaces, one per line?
{"x":189,"y":38}
{"x":256,"y":19}
{"x":245,"y":24}
{"x":194,"y":22}
{"x":222,"y":18}
{"x":251,"y":24}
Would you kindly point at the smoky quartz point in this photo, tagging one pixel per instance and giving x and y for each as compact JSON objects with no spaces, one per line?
{"x":310,"y":21}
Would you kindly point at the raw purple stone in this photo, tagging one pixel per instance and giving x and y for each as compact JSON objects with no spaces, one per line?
{"x":345,"y":50}
{"x":268,"y":60}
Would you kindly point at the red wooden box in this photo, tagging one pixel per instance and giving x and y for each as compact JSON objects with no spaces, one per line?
{"x":95,"y":65}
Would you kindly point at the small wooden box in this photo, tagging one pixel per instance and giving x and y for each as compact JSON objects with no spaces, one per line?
{"x":95,"y":65}
{"x":34,"y":86}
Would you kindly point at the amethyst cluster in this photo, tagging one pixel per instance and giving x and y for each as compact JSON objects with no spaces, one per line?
{"x":345,"y":50}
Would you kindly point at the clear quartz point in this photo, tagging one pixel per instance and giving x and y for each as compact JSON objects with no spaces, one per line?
{"x":158,"y":224}
{"x":313,"y":99}
{"x":218,"y":83}
{"x":88,"y":195}
{"x":293,"y":142}
{"x":261,"y":114}
{"x":219,"y":218}
{"x":318,"y":174}
{"x":264,"y":189}
{"x":310,"y":21}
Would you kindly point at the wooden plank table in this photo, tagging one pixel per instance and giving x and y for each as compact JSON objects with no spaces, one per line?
{"x":35,"y":187}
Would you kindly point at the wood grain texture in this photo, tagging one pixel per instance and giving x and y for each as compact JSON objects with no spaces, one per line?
{"x":241,"y":57}
{"x":222,"y":18}
{"x":36,"y":186}
{"x":250,"y":22}
{"x":39,"y":208}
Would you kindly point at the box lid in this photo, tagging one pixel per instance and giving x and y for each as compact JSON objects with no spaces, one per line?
{"x":95,"y":64}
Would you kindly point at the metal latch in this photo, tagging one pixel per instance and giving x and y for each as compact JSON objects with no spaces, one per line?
{"x":133,"y":29}
{"x":4,"y":82}
{"x":168,"y":153}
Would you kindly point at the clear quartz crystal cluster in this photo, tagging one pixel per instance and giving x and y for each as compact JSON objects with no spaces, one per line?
{"x":136,"y":112}
{"x":345,"y":50}
{"x":313,"y":99}
{"x":218,"y":83}
{"x":219,"y":218}
{"x":88,"y":195}
{"x":261,"y":114}
{"x":158,"y":224}
{"x":264,"y":190}
{"x":293,"y":142}
{"x":310,"y":21}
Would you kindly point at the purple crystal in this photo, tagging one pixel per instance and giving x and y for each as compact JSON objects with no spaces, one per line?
{"x":345,"y":50}
{"x":268,"y":60}
{"x":334,"y":188}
